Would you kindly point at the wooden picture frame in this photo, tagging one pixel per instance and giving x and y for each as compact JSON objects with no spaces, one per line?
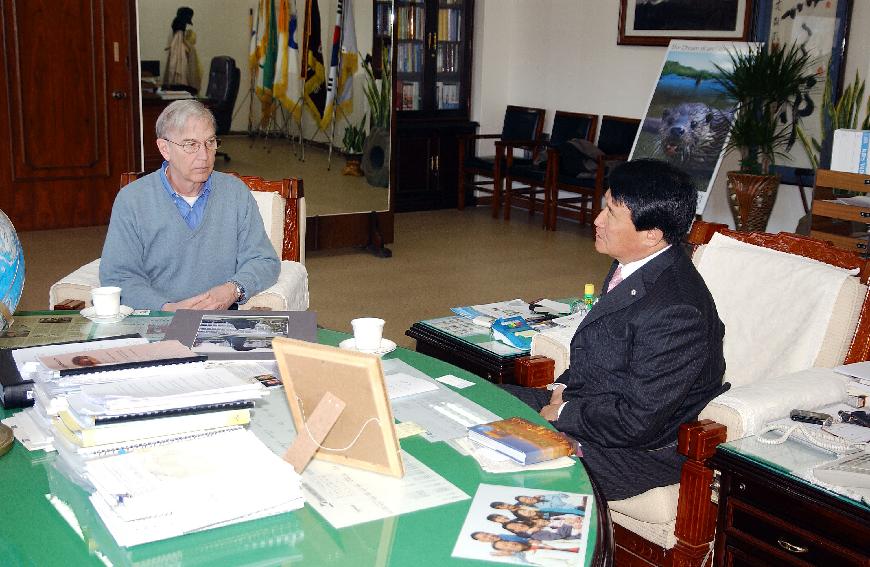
{"x":364,"y":436}
{"x":639,"y":21}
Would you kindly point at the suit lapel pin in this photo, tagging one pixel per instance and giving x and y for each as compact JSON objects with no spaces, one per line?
{"x":634,"y":292}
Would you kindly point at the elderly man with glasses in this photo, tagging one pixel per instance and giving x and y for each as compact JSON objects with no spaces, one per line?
{"x":186,"y":236}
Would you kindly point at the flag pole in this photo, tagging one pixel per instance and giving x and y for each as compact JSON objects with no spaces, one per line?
{"x":253,"y":78}
{"x":331,"y":135}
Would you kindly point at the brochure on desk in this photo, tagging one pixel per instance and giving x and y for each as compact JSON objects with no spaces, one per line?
{"x":239,"y":335}
{"x":553,"y":528}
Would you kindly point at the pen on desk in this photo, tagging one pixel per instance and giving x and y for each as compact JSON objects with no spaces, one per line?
{"x":121,"y":497}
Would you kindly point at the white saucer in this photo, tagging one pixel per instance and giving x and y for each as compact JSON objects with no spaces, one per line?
{"x":386,"y":346}
{"x":88,"y":313}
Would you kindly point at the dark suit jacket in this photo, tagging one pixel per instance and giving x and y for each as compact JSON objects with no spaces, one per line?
{"x":646,"y":358}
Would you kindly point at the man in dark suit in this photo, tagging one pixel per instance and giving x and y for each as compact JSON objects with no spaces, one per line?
{"x":648,"y":356}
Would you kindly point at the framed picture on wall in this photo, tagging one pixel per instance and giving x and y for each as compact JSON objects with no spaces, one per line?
{"x":657,"y":22}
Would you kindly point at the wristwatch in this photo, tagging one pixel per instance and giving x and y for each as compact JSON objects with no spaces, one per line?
{"x":553,"y":385}
{"x":241,"y":296}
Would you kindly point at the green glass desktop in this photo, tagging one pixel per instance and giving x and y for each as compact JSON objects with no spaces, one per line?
{"x":33,"y":532}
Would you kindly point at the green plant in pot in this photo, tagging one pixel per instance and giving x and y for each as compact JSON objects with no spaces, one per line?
{"x":376,"y":150}
{"x":764,"y":84}
{"x":354,"y":137}
{"x":844,"y":113}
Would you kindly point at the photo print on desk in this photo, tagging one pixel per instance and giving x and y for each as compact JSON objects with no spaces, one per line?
{"x":525,"y":526}
{"x":239,"y":335}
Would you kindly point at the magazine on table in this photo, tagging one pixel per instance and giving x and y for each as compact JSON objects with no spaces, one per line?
{"x":239,"y":335}
{"x":525,"y":526}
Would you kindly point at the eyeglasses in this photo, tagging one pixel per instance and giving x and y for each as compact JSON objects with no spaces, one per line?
{"x":192,"y":146}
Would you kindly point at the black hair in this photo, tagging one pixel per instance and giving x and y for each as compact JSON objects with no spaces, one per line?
{"x":183,"y":18}
{"x":658,"y":194}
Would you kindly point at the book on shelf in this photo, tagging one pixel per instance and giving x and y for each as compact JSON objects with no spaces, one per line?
{"x":523,"y":441}
{"x":65,"y":424}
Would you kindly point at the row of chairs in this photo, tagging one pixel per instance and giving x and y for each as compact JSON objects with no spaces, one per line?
{"x":560,"y":174}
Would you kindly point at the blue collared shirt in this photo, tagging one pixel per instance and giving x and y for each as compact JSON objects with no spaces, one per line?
{"x":192,"y":214}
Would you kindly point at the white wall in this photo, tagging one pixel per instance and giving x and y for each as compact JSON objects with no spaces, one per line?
{"x":222,"y":28}
{"x":562,"y":55}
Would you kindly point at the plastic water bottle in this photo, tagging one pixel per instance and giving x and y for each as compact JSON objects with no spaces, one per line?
{"x":588,"y":300}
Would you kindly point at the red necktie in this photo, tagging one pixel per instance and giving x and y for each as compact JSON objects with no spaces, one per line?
{"x":615,"y":279}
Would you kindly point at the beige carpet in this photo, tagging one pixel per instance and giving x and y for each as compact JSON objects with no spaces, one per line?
{"x":440,"y":259}
{"x":327,"y":191}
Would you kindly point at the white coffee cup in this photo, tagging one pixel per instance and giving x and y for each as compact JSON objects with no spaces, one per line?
{"x":106,"y":300}
{"x":367,"y":333}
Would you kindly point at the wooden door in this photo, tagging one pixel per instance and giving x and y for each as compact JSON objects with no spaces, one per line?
{"x":67,"y":126}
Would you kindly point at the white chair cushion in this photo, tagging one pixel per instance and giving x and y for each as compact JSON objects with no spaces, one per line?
{"x":659,"y":534}
{"x":76,"y":285}
{"x":290,"y":292}
{"x":271,"y":206}
{"x":555,"y":344}
{"x":656,"y":505}
{"x":777,"y":308}
{"x":745,"y":409}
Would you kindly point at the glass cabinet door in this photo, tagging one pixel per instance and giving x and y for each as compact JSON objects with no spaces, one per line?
{"x":410,"y":65}
{"x":449,"y":55}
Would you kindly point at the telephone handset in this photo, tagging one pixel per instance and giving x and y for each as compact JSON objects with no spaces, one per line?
{"x":818,"y":437}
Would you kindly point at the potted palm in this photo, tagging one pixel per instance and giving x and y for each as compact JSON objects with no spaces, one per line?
{"x":354,"y":137}
{"x":763,"y":83}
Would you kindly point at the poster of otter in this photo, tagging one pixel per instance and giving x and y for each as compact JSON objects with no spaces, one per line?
{"x":688,"y":115}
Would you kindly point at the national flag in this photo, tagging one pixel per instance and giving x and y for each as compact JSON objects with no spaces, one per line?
{"x":269,"y":49}
{"x":286,"y":87}
{"x":312,"y":53}
{"x":349,"y":61}
{"x":342,"y":64}
{"x":258,"y":28}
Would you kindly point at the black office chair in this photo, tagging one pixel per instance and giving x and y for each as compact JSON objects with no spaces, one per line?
{"x":575,"y":189}
{"x":527,"y":180}
{"x":520,"y":123}
{"x":223,"y":88}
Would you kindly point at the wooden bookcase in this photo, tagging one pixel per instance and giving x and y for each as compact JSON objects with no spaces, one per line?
{"x":846,"y":226}
{"x":432,"y":85}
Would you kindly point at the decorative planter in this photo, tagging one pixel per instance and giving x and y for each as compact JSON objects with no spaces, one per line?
{"x":376,"y":157}
{"x":751,"y":199}
{"x":353,"y":165}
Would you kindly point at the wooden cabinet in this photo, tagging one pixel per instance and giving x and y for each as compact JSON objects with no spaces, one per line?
{"x":432,"y":80}
{"x":769,"y":518}
{"x":846,"y":226}
{"x":427,"y":164}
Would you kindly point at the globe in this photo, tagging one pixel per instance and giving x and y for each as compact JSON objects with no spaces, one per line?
{"x":11,"y":270}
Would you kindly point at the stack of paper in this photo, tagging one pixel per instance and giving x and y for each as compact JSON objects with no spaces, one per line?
{"x":187,"y":486}
{"x":191,"y":400}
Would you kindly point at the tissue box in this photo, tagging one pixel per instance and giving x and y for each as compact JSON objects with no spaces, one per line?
{"x":849,"y":152}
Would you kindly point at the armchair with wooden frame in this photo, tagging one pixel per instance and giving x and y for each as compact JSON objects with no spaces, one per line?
{"x":674,"y":525}
{"x":281,"y":204}
{"x":581,"y":194}
{"x":531,"y":178}
{"x":520,"y":123}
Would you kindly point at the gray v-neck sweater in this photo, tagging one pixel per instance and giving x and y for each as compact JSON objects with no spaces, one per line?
{"x":155,"y":258}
